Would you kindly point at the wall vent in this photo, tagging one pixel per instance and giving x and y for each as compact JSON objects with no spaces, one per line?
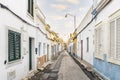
{"x":11,"y":75}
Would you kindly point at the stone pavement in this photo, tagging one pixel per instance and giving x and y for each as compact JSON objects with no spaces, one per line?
{"x":69,"y":70}
{"x":64,"y":68}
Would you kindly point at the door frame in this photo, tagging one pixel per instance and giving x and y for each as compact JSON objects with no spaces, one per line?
{"x":31,"y":54}
{"x":48,"y":52}
{"x":81,"y":49}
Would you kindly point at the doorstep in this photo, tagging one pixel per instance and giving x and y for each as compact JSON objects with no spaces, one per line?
{"x":33,"y":72}
{"x":87,"y":65}
{"x":45,"y":65}
{"x":30,"y":74}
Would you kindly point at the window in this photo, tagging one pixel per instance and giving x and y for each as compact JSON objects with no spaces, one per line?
{"x":54,"y":48}
{"x":112,"y":38}
{"x":115,"y":39}
{"x":87,"y":44}
{"x":30,"y":7}
{"x":99,"y":40}
{"x":14,"y":45}
{"x":51,"y":49}
{"x":43,"y":48}
{"x":118,"y":38}
{"x":39,"y":48}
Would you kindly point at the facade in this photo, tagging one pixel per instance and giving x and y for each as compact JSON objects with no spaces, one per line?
{"x":43,"y":38}
{"x":85,"y":43}
{"x":75,"y":43}
{"x":107,"y":32}
{"x":98,"y":38}
{"x":70,"y":45}
{"x":25,"y":43}
{"x":57,"y":44}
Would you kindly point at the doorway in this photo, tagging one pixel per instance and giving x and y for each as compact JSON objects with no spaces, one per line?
{"x":47,"y":52}
{"x":81,"y":49}
{"x":30,"y":53}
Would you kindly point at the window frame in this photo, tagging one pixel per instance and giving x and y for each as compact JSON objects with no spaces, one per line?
{"x":39,"y":48}
{"x":115,"y":37}
{"x":114,"y":16}
{"x":98,"y":26}
{"x":44,"y":48}
{"x":30,"y":9}
{"x":87,"y":49}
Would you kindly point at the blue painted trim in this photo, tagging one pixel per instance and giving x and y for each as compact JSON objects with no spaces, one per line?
{"x":109,"y":70}
{"x":105,"y":77}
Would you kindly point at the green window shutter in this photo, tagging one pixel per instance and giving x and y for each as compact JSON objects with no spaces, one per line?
{"x":29,"y":6}
{"x":32,"y":7}
{"x":118,"y":39}
{"x":14,"y":45}
{"x":17,"y":46}
{"x":11,"y":45}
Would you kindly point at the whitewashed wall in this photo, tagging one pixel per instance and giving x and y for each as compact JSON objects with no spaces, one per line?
{"x":9,"y":21}
{"x":107,"y":11}
{"x":87,"y":32}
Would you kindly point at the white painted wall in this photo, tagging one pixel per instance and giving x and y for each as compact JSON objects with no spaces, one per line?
{"x":104,"y":16}
{"x":112,"y":7}
{"x":8,"y":20}
{"x":88,"y":32}
{"x":87,"y":56}
{"x":20,"y":67}
{"x":70,"y":48}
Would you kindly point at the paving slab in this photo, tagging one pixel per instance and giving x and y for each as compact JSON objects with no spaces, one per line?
{"x":69,"y":70}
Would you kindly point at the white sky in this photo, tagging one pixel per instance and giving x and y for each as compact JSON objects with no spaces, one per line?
{"x":55,"y":11}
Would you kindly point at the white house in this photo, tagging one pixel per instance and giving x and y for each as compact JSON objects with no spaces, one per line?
{"x":85,"y":31}
{"x":107,"y":39}
{"x":18,"y":44}
{"x":23,"y":37}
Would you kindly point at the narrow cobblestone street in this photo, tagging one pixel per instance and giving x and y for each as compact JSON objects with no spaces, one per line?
{"x":59,"y":39}
{"x":64,"y":68}
{"x":69,"y":70}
